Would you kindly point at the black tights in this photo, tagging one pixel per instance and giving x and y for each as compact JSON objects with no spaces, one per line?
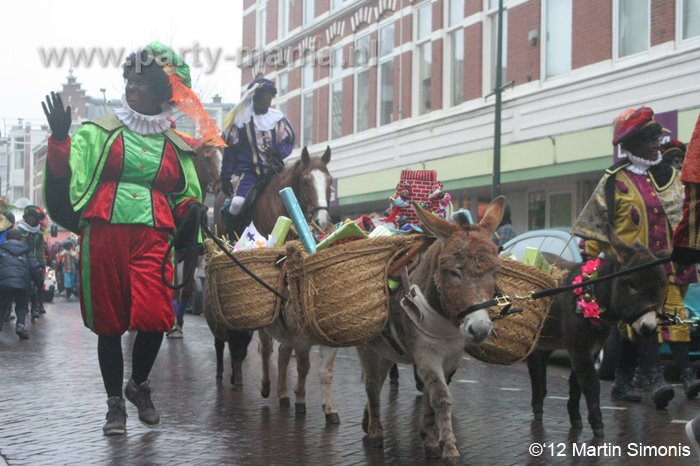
{"x":109,"y":353}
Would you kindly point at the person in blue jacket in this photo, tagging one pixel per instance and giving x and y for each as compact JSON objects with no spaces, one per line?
{"x":18,"y":269}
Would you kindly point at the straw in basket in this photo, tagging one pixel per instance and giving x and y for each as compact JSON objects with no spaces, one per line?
{"x":340,"y":294}
{"x":238,"y":302}
{"x":515,"y":336}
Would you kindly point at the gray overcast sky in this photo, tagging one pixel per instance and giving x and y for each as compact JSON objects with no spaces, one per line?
{"x":123,"y":24}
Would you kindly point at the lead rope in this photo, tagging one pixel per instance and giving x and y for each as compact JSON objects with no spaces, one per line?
{"x":506,"y":300}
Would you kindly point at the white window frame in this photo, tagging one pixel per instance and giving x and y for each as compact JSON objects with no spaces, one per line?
{"x":679,"y":27}
{"x":308,"y":14}
{"x":543,"y":44}
{"x":448,"y":64}
{"x":616,"y":32}
{"x":417,"y":45}
{"x":489,"y":65}
{"x":261,"y":23}
{"x":283,"y":16}
{"x":389,"y":57}
{"x":356,"y":72}
{"x":337,"y":7}
{"x":305,"y":91}
{"x":338,"y":48}
{"x":283,"y":91}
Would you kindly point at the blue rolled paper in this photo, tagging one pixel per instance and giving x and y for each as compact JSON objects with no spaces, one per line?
{"x":290,"y":201}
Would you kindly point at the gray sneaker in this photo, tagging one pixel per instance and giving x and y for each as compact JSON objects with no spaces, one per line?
{"x":116,"y":417}
{"x":140,"y":396}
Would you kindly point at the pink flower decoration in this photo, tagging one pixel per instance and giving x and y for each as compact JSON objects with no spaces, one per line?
{"x":590,"y":309}
{"x":577,"y":280}
{"x":590,"y":267}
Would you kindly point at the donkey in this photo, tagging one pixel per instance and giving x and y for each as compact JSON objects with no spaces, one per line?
{"x":632,"y":299}
{"x":453,"y":274}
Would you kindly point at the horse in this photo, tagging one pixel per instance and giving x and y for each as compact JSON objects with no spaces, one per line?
{"x":631,"y":298}
{"x":454,"y":273}
{"x":310,"y":180}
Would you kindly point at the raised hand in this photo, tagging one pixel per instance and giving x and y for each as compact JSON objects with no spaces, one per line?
{"x":59,"y":118}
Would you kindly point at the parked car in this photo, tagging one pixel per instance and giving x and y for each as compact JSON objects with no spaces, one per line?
{"x":553,"y":241}
{"x":49,"y":288}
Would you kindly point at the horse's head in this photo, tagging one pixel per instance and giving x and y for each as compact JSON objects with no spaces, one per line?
{"x":312,"y":183}
{"x":207,"y":164}
{"x":636,"y":297}
{"x":465,"y":273}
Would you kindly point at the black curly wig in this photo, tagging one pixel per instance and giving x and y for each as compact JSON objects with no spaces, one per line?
{"x":641,"y":137}
{"x":142,"y":62}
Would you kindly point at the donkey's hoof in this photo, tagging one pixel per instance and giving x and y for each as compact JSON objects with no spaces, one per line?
{"x":394,"y":386}
{"x":376,"y":442}
{"x":299,"y":408}
{"x":237,"y":387}
{"x":433,"y":452}
{"x":265,"y":390}
{"x":538,"y":416}
{"x":451,"y":461}
{"x":284,"y":403}
{"x":598,"y":431}
{"x":577,"y":423}
{"x":332,"y":418}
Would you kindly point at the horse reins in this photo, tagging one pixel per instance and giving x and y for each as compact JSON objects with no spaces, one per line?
{"x":192,"y":242}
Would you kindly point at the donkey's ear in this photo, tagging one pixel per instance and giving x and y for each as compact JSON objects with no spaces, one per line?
{"x":442,"y":229}
{"x":326,"y":155}
{"x":305,"y":159}
{"x":494,"y":214}
{"x":622,"y":250}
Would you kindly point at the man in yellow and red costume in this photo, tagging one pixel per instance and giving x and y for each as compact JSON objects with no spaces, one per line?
{"x":642,"y":197}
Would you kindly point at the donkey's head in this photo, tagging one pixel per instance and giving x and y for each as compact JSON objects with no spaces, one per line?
{"x":465,"y":273}
{"x":313,"y":186}
{"x":636,"y":297}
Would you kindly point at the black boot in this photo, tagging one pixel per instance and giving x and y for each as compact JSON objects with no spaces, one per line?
{"x":691,"y":384}
{"x":622,"y":389}
{"x":231,"y":226}
{"x":661,"y":391}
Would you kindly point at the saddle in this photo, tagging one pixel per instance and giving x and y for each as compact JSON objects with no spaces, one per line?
{"x":246,"y":214}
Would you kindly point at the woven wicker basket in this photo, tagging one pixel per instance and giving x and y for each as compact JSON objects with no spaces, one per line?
{"x":515,"y":336}
{"x":340,"y":294}
{"x":238,"y":302}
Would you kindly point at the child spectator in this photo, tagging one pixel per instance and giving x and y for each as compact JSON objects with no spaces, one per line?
{"x":68,"y":261}
{"x":18,"y":269}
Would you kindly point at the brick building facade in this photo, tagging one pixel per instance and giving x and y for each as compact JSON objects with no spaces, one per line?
{"x":393,"y":84}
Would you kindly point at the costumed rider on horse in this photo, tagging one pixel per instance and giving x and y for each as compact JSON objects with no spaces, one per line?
{"x":258,"y":139}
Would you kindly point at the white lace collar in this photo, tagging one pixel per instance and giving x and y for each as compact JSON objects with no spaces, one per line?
{"x":639,"y":165}
{"x":265,"y":122}
{"x":27,"y":227}
{"x":144,"y":124}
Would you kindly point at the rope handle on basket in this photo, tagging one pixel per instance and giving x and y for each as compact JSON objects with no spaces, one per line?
{"x":505,"y":300}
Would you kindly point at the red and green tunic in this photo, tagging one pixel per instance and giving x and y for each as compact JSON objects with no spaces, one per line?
{"x":126,"y":193}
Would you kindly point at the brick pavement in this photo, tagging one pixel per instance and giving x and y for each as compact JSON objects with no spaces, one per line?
{"x":52,"y":408}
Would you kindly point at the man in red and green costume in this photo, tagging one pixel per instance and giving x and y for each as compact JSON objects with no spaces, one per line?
{"x":123,"y":182}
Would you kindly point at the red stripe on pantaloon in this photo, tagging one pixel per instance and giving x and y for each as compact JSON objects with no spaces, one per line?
{"x":126,"y":288}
